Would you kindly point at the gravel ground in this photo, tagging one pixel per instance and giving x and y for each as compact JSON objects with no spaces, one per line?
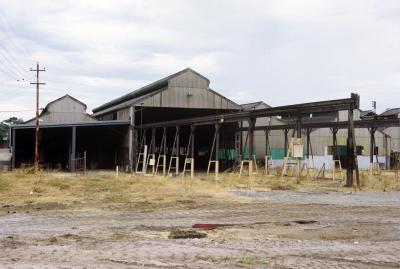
{"x":340,"y":230}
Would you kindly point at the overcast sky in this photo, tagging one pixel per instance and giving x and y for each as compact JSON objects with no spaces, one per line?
{"x":281,"y":52}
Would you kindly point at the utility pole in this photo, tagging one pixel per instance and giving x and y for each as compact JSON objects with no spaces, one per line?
{"x":37,"y":83}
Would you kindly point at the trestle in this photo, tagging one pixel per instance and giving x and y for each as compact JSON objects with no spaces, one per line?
{"x":174,"y":160}
{"x":162,"y":155}
{"x":189,"y":152}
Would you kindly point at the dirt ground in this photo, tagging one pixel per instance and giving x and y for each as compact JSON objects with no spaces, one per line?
{"x":303,"y":228}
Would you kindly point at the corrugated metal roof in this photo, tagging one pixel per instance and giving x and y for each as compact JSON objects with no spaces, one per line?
{"x":72,"y":124}
{"x":157,"y":85}
{"x":253,"y":105}
{"x":391,"y":112}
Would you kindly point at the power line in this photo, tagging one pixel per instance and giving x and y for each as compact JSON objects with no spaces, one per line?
{"x":12,"y":61}
{"x":7,"y":53}
{"x":8,"y":72}
{"x":11,"y":29}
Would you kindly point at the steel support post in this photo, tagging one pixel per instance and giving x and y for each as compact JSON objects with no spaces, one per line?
{"x":372,"y":144}
{"x":351,"y":152}
{"x":177,"y":142}
{"x":252,"y":123}
{"x":132,"y":136}
{"x":267,"y":149}
{"x":298,"y":159}
{"x":334,"y":143}
{"x":192,"y":130}
{"x":217,"y":129}
{"x":153,"y":141}
{"x":73,"y":148}
{"x":164,"y":146}
{"x":286,"y":131}
{"x":308,"y":134}
{"x":13,"y":153}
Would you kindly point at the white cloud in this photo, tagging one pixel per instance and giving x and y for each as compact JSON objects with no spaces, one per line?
{"x":281,"y":52}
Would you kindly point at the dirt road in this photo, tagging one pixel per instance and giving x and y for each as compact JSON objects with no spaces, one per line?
{"x":278,"y":229}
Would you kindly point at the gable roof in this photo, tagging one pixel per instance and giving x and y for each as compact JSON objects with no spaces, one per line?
{"x":152,"y":87}
{"x":367,"y":113}
{"x":46,"y":108}
{"x":391,"y":112}
{"x":63,"y":97}
{"x":250,"y":106}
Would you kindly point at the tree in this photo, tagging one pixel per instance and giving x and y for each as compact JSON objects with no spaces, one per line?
{"x":4,"y":126}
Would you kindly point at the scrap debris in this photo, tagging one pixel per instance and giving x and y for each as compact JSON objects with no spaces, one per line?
{"x":186,"y":234}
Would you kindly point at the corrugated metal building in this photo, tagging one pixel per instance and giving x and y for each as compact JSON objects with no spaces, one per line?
{"x":66,"y":130}
{"x":65,"y":109}
{"x":181,"y":95}
{"x":108,"y":136}
{"x":321,"y":139}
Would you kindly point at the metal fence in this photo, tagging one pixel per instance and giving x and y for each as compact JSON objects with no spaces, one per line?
{"x":78,"y":164}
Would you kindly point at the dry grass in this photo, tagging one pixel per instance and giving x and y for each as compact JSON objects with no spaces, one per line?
{"x":385,"y":181}
{"x":23,"y":190}
{"x":103,"y":189}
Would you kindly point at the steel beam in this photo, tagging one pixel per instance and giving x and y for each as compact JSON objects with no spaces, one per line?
{"x":373,"y":123}
{"x":291,"y":110}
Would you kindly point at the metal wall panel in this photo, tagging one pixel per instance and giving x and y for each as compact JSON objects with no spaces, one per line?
{"x":65,"y":110}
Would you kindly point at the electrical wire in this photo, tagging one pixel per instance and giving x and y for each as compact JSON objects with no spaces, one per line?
{"x":10,"y":62}
{"x":15,"y":111}
{"x":8,"y":73}
{"x":11,"y":29}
